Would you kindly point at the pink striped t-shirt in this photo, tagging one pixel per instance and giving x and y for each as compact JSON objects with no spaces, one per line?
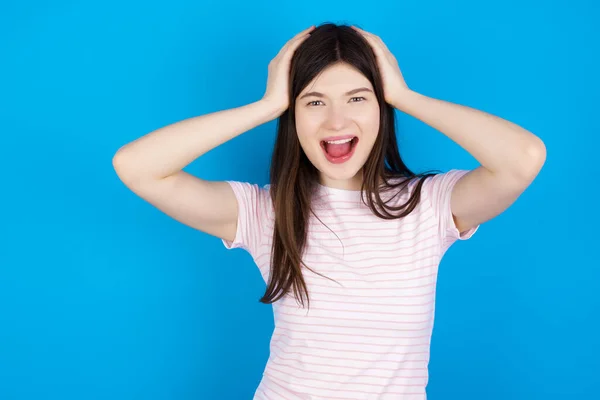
{"x":367,"y":333}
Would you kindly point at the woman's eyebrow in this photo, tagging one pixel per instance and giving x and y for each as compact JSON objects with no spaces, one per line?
{"x":353,"y":91}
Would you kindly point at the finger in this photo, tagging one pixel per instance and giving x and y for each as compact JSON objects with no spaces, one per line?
{"x":370,"y":35}
{"x":295,"y":44}
{"x":299,"y":37}
{"x":375,"y":45}
{"x":365,"y":33}
{"x":288,"y":50}
{"x":375,"y":38}
{"x":302,"y":33}
{"x":284,"y":49}
{"x":382,"y":45}
{"x":379,"y":47}
{"x":380,"y":40}
{"x":310,"y":28}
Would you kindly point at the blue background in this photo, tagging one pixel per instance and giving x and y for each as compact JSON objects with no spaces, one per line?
{"x":104,"y":297}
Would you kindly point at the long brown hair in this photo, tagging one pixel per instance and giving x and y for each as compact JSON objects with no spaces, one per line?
{"x":293,"y":177}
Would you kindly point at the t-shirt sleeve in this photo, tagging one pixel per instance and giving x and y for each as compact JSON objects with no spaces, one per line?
{"x":253,"y":216}
{"x":438,"y":191}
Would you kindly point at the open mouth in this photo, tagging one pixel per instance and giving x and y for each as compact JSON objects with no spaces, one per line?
{"x":339,"y":151}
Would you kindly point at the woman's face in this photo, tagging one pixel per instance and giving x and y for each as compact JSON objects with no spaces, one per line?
{"x":339,"y":102}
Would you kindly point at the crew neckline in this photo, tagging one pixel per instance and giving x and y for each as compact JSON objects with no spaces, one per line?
{"x":335,"y":193}
{"x":338,"y":193}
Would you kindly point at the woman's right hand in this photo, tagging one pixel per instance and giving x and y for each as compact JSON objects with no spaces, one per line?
{"x":276,"y":93}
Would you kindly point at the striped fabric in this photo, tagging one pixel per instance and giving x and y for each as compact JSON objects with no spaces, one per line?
{"x":367,"y":332}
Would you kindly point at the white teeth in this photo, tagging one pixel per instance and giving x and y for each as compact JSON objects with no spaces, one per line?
{"x":339,"y":141}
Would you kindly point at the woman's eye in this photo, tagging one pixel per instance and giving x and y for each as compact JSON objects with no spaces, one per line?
{"x":312,"y":103}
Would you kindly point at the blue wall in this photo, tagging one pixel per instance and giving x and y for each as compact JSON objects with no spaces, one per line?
{"x":103,"y":297}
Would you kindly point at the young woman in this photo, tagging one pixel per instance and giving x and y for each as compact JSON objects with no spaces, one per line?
{"x":347,"y":238}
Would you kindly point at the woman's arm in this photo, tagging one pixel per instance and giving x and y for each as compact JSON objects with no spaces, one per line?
{"x":510,"y":156}
{"x":152,"y":166}
{"x":168,"y":150}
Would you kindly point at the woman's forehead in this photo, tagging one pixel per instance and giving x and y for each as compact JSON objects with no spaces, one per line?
{"x":337,"y":80}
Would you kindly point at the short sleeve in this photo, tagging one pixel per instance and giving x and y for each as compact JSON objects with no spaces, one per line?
{"x":438,"y":191}
{"x":254,"y":215}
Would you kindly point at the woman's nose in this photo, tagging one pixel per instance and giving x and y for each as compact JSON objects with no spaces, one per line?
{"x":336,"y":119}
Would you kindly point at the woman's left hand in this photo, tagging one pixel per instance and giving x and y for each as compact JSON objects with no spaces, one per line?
{"x":394,"y":85}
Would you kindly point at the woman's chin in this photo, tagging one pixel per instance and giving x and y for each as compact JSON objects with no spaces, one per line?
{"x":339,"y":172}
